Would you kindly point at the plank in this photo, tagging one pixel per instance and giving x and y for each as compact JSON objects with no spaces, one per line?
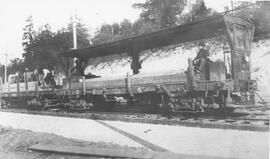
{"x":91,"y":151}
{"x":162,"y":79}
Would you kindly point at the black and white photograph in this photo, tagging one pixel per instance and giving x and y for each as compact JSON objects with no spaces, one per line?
{"x":134,"y":79}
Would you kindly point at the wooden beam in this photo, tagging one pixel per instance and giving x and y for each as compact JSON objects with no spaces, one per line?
{"x":135,"y":64}
{"x":91,"y":151}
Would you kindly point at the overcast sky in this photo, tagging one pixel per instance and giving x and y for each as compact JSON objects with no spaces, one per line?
{"x":57,"y":13}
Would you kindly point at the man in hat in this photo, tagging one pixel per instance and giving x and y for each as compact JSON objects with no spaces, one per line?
{"x":27,"y":75}
{"x":201,"y":62}
{"x":78,"y":69}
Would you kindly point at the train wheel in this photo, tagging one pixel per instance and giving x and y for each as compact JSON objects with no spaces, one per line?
{"x":222,"y":101}
{"x":4,"y":104}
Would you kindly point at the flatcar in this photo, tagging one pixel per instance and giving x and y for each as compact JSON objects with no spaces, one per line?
{"x":228,"y":81}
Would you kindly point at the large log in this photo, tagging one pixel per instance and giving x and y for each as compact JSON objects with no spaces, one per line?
{"x":136,"y":80}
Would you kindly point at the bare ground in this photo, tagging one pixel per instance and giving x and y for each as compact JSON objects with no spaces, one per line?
{"x":14,"y":144}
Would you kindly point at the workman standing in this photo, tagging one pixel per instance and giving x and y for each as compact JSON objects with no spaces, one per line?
{"x":201,"y":62}
{"x":78,"y":67}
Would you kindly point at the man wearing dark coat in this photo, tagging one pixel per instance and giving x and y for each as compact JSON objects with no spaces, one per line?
{"x":201,"y":62}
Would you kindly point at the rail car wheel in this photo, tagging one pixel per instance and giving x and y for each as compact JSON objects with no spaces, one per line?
{"x":34,"y":104}
{"x":222,"y":101}
{"x":4,"y":104}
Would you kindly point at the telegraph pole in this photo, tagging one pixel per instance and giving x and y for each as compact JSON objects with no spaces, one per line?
{"x":232,"y":6}
{"x":74,"y":24}
{"x":74,"y":30}
{"x":5,"y":67}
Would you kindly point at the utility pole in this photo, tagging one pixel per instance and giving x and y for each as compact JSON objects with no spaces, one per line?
{"x":232,"y":6}
{"x":74,"y":30}
{"x":5,"y":67}
{"x":74,"y":24}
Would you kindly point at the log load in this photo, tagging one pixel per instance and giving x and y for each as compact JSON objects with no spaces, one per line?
{"x":137,"y":83}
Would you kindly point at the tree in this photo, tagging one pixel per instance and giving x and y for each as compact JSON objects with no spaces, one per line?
{"x":165,"y":13}
{"x":141,"y":27}
{"x":83,"y":36}
{"x":103,"y":35}
{"x":198,"y":10}
{"x":15,"y":65}
{"x":27,"y":42}
{"x":107,"y":33}
{"x":115,"y":28}
{"x":2,"y":72}
{"x":126,"y":29}
{"x":258,"y":13}
{"x":63,"y":42}
{"x":43,"y":49}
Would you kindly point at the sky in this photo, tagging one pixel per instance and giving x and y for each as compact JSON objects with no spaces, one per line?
{"x":57,"y":13}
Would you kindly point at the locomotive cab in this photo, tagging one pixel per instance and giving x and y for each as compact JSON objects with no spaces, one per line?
{"x":237,"y":60}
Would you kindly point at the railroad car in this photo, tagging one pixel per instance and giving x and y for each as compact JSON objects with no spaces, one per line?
{"x":228,"y":80}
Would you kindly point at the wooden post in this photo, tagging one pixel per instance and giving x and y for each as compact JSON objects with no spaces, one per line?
{"x":1,"y":87}
{"x":135,"y":64}
{"x":36,"y":88}
{"x":128,"y":84}
{"x":229,"y":87}
{"x":26,"y":84}
{"x":191,"y":73}
{"x":8,"y":89}
{"x":83,"y":85}
{"x":18,"y":88}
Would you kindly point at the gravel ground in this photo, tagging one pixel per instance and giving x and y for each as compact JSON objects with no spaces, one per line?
{"x":14,"y":144}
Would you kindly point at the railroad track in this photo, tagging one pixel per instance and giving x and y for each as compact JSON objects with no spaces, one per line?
{"x":228,"y":121}
{"x":203,"y":118}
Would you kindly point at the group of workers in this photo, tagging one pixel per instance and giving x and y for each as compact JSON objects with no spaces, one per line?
{"x":45,"y":77}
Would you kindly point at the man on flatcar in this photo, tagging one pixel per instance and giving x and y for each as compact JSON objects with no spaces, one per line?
{"x":201,"y":62}
{"x":49,"y":78}
{"x":27,"y":75}
{"x":40,"y":76}
{"x":79,"y":68}
{"x":19,"y":76}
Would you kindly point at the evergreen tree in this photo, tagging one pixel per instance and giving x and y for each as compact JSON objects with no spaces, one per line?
{"x":15,"y":65}
{"x":43,"y":46}
{"x":164,"y":13}
{"x":200,"y":10}
{"x":115,"y":29}
{"x":126,"y":29}
{"x":257,"y":13}
{"x":103,"y":35}
{"x":2,"y":72}
{"x":28,"y":42}
{"x":141,"y":27}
